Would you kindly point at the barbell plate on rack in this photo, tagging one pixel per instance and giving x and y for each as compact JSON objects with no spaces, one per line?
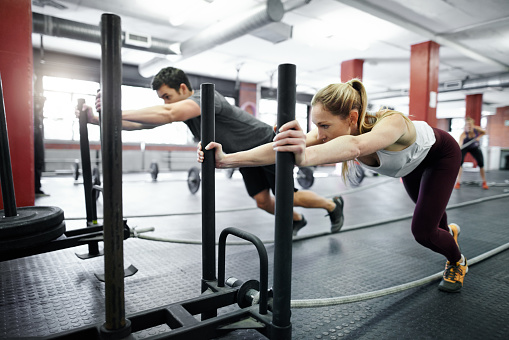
{"x":193,"y":179}
{"x":154,"y":170}
{"x":76,"y":170}
{"x":30,"y":220}
{"x":305,"y":177}
{"x":32,"y":240}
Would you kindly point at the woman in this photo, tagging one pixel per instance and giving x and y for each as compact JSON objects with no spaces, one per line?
{"x":469,"y":142}
{"x":427,"y":160}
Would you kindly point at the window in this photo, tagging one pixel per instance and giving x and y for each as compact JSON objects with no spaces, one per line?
{"x":268,"y":113}
{"x":61,"y":123}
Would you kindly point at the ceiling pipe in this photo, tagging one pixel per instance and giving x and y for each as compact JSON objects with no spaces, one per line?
{"x":496,"y":81}
{"x":224,"y":31}
{"x":237,"y":26}
{"x":381,"y":13}
{"x":62,"y":28}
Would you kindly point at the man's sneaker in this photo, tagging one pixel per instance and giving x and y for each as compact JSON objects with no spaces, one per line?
{"x":298,"y":225}
{"x":454,"y":229}
{"x":457,"y":185}
{"x":452,"y":280}
{"x":336,"y":215}
{"x":485,"y":185}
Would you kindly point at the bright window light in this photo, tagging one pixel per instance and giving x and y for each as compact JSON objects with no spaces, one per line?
{"x":61,"y":123}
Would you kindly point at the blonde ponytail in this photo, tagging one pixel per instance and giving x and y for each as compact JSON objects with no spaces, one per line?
{"x":339,"y":99}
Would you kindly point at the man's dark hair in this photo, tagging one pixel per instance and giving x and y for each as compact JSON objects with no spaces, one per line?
{"x":171,"y":77}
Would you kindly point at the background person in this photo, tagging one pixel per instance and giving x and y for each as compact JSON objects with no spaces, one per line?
{"x":473,"y":134}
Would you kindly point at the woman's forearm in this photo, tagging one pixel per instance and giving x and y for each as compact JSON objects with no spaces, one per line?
{"x":340,"y":149}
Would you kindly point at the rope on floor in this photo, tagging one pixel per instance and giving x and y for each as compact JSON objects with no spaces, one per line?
{"x":324,"y":302}
{"x":365,"y":187}
{"x":311,"y":303}
{"x":310,"y":236}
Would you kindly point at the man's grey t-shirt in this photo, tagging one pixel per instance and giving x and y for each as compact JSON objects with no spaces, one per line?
{"x":236,"y":129}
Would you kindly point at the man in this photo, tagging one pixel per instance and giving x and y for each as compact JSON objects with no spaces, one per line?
{"x":236,"y":130}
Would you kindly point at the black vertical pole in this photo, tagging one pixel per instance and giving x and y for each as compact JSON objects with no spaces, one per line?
{"x":285,"y":161}
{"x":116,"y":325}
{"x":86,"y":167}
{"x":8,"y":195}
{"x":208,"y":199}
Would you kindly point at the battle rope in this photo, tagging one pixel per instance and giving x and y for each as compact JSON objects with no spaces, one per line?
{"x":310,"y":303}
{"x":310,"y":236}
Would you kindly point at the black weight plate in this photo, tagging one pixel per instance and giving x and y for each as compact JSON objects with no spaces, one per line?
{"x":30,"y":220}
{"x":96,"y":176}
{"x":76,"y":171}
{"x":154,"y":170}
{"x":193,"y":179}
{"x":305,"y":177}
{"x":36,"y":239}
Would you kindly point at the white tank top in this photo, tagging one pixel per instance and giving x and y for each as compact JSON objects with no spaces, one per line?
{"x":401,"y":163}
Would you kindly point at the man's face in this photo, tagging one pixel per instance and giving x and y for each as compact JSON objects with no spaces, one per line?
{"x":170,"y":95}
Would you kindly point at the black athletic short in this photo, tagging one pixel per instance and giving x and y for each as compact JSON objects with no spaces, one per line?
{"x":257,"y":179}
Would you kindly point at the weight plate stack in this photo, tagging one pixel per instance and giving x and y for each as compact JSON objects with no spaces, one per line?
{"x":32,"y":226}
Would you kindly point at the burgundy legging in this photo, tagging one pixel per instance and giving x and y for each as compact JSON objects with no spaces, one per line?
{"x":430,"y":185}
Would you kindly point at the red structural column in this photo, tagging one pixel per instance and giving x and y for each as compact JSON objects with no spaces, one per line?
{"x":473,"y":107}
{"x":16,"y":69}
{"x":351,"y":69}
{"x":424,"y":62}
{"x":247,"y":97}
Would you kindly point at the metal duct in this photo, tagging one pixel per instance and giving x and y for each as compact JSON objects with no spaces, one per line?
{"x":225,"y":31}
{"x":380,"y":12}
{"x":220,"y":33}
{"x":57,"y":27}
{"x":290,"y":5}
{"x":496,"y":81}
{"x":500,"y":80}
{"x":228,"y":30}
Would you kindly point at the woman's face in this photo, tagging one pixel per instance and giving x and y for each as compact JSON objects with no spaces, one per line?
{"x":331,"y":126}
{"x":468,"y":126}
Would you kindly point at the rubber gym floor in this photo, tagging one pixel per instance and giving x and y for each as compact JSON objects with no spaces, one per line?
{"x":370,"y":281}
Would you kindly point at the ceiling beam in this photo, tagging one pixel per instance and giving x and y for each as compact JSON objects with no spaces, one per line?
{"x":384,"y":14}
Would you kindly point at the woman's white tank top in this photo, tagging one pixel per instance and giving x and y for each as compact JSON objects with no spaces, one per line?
{"x":401,"y":163}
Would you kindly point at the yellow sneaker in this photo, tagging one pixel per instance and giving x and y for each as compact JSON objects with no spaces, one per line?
{"x":452,"y":280}
{"x":455,"y":229}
